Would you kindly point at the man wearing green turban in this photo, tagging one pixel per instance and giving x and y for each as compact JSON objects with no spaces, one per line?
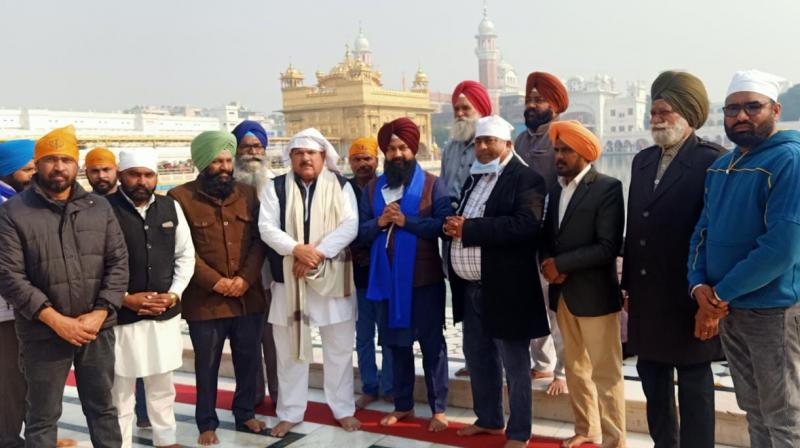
{"x":225,"y":298}
{"x":666,"y":329}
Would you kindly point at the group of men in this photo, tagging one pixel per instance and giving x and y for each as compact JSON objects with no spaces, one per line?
{"x":530,"y":232}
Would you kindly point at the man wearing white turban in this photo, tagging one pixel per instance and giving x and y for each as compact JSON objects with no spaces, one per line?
{"x":308,"y":218}
{"x":161,"y":262}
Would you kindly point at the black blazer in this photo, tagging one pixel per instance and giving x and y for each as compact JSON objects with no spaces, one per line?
{"x":508,"y":234}
{"x":586,"y":244}
{"x":660,"y":225}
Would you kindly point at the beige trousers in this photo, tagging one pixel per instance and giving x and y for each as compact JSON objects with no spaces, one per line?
{"x":593,"y":364}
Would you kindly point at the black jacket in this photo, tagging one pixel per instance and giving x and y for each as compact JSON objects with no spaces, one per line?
{"x":508,"y":234}
{"x":586,"y":244}
{"x":660,"y":224}
{"x":72,"y":255}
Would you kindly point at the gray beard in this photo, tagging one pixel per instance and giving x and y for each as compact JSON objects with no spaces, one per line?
{"x":253,"y":172}
{"x":669,"y":135}
{"x":463,"y":130}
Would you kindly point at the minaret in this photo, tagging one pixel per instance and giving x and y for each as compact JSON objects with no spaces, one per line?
{"x":361,"y":49}
{"x":488,"y":55}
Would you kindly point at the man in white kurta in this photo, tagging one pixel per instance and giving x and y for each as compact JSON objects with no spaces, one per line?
{"x":308,"y":218}
{"x":161,"y":263}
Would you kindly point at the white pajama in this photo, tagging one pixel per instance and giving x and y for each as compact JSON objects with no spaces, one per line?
{"x":337,"y":357}
{"x":160,"y":397}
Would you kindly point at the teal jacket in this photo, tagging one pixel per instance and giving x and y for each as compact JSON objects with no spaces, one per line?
{"x":747,"y":242}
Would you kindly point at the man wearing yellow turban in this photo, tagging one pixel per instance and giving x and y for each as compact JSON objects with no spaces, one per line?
{"x":101,"y":171}
{"x":582,"y":237}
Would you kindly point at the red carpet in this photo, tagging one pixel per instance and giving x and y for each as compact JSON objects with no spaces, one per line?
{"x":415,"y":428}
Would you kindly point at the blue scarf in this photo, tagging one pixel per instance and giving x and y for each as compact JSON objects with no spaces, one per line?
{"x":394,"y":281}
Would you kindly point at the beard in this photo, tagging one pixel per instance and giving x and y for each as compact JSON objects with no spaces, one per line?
{"x":463,"y":129}
{"x":669,"y":134}
{"x":137,"y":193}
{"x":252,"y":170}
{"x":534,"y":119}
{"x":53,"y":183}
{"x":398,"y":171}
{"x":219,"y":185}
{"x":754,"y":135}
{"x":103,"y":187}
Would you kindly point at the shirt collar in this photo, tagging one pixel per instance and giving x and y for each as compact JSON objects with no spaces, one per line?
{"x":577,"y":179}
{"x":144,"y":207}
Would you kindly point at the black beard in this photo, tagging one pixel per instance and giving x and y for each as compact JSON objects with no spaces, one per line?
{"x":215,"y":185}
{"x":102,"y":188}
{"x":54,"y":185}
{"x":138,"y":193}
{"x":751,"y":137}
{"x":398,"y":171}
{"x":535,"y":119}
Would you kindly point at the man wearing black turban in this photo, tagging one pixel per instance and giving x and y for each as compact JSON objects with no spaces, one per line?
{"x":666,"y":329}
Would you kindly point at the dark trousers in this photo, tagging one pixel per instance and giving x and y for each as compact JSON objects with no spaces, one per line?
{"x":270,"y":360}
{"x":487,"y":357}
{"x":141,"y":403}
{"x":427,"y":327}
{"x":46,"y":364}
{"x":12,"y":388}
{"x":371,"y":381}
{"x":696,"y":399}
{"x":208,"y":339}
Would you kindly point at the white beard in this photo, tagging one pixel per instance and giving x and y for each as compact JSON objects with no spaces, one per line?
{"x":253,"y":172}
{"x":463,"y":129}
{"x":666,"y":135}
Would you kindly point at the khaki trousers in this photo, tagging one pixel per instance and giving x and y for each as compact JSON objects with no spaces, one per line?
{"x":593,"y":362}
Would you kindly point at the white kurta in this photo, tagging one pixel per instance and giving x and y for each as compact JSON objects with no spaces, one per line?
{"x":150,"y":347}
{"x":321,"y":310}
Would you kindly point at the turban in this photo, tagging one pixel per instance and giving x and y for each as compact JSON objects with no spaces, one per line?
{"x":494,"y":126}
{"x":476,"y":94}
{"x":577,"y":137}
{"x":139,"y":158}
{"x":364,"y":145}
{"x":312,"y":139}
{"x":100,"y":156}
{"x":550,"y":87}
{"x":14,"y":154}
{"x":207,"y":146}
{"x":250,"y":127}
{"x":685,"y":93}
{"x":756,"y":81}
{"x":404,"y":129}
{"x":61,"y":141}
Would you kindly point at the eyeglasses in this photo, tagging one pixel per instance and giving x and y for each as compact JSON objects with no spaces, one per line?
{"x":751,"y":109}
{"x":252,"y":149}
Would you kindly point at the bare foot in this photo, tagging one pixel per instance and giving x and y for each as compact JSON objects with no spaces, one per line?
{"x":438,"y":422}
{"x":350,"y":424}
{"x":474,"y":430}
{"x":515,"y":444}
{"x":462,"y":372}
{"x":282,"y":428}
{"x":66,"y":442}
{"x":575,"y":441}
{"x":537,"y":375}
{"x":143,"y":424}
{"x":557,"y":387}
{"x":255,"y":426}
{"x":394,"y":417}
{"x":208,"y":438}
{"x":364,"y":401}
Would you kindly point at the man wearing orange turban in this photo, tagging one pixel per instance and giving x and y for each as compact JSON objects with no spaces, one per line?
{"x":545,"y":98}
{"x":582,"y":237}
{"x":101,"y":171}
{"x":61,"y":141}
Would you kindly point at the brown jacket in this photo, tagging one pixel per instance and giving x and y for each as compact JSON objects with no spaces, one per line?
{"x":227,"y":243}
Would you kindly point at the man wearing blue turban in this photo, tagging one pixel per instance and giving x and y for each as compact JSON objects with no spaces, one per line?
{"x":16,"y":167}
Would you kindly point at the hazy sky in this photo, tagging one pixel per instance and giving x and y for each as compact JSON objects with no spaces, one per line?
{"x":109,"y":55}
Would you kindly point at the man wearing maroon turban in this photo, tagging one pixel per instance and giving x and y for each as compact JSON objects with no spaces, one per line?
{"x":470,"y":102}
{"x":401,"y":216}
{"x":545,"y":98}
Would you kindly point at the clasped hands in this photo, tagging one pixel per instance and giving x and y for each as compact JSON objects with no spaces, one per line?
{"x":306,"y":258}
{"x":231,"y":287}
{"x":392,"y":215}
{"x":453,"y":226}
{"x":550,"y":272}
{"x":149,"y":303}
{"x":710,"y":311}
{"x":75,"y":330}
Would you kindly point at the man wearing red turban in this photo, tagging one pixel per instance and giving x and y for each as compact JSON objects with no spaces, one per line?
{"x":582,"y":236}
{"x":400,"y":217}
{"x":545,"y":98}
{"x":470,"y":102}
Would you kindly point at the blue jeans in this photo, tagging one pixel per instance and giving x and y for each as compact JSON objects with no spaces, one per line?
{"x":487,"y":357}
{"x":365,"y":348}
